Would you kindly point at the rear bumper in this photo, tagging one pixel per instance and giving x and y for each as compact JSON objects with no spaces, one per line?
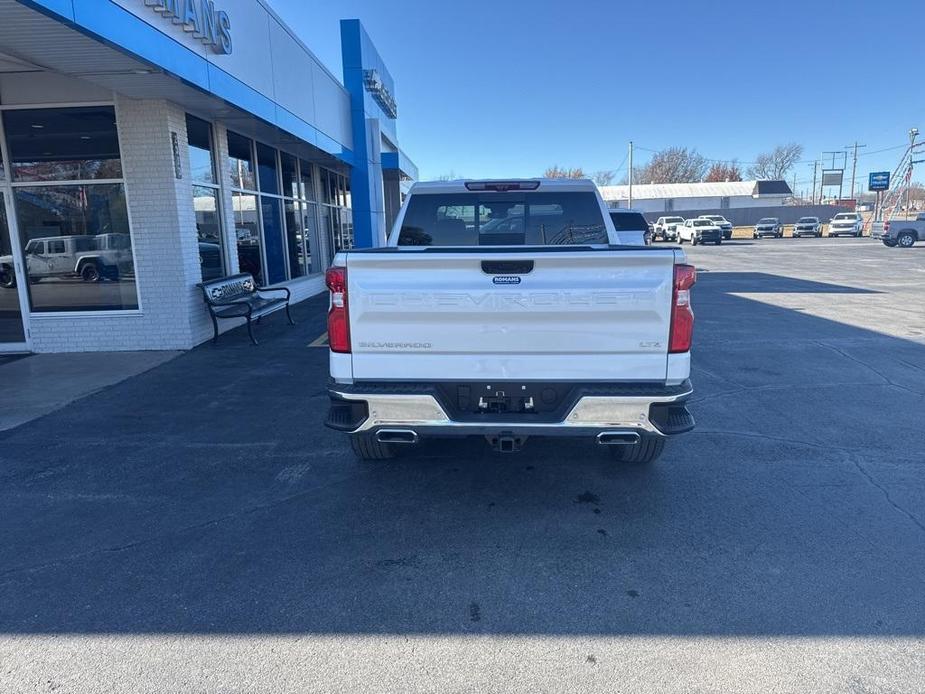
{"x":641,"y":408}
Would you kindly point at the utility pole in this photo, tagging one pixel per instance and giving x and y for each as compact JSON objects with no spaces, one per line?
{"x":630,"y":158}
{"x":913,"y":133}
{"x":854,"y":165}
{"x":815,"y":167}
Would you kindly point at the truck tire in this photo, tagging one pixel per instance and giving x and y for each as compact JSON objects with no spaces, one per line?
{"x":905,"y":239}
{"x":645,"y":452}
{"x":7,"y":277}
{"x":365,"y":447}
{"x":90,"y":273}
{"x":890,"y":243}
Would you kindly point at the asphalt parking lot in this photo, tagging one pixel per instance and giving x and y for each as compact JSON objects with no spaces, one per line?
{"x":195,"y":528}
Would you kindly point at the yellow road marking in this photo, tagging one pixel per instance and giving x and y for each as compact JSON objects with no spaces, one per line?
{"x":320,"y":341}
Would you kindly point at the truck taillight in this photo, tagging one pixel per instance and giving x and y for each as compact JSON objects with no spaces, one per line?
{"x":338,"y":318}
{"x":682,"y":317}
{"x":886,"y":227}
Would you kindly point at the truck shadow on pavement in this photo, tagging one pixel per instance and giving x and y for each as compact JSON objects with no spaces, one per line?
{"x":205,"y":496}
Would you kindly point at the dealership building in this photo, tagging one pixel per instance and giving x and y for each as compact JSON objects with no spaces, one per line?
{"x":149,"y":145}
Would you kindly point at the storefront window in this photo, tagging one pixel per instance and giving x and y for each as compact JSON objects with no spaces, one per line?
{"x":63,"y":144}
{"x":247,"y":232}
{"x":76,"y":241}
{"x":310,"y":233}
{"x":289,"y":174}
{"x":208,"y":232}
{"x":295,"y":240}
{"x":332,"y":195}
{"x":307,"y":184}
{"x":266,"y":169}
{"x":325,"y":187}
{"x":206,"y":196}
{"x":201,"y":159}
{"x":337,"y":217}
{"x":77,"y":247}
{"x":11,"y":328}
{"x":241,"y":162}
{"x":273,"y":239}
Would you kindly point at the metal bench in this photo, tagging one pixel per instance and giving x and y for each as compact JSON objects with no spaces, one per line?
{"x":238,"y":296}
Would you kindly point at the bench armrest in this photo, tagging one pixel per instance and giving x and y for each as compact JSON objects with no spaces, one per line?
{"x":276,"y":289}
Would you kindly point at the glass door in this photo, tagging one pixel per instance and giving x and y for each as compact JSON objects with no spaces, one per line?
{"x":12,"y":292}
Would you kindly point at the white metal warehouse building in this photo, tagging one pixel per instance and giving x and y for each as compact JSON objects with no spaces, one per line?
{"x":669,"y":197}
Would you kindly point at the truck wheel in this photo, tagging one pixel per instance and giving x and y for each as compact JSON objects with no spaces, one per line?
{"x":906,"y":239}
{"x":889,"y":242}
{"x":365,"y":447}
{"x":7,"y":277}
{"x":646,"y":451}
{"x":90,"y":273}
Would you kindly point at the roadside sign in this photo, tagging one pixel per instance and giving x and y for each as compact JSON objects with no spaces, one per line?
{"x":879,"y":180}
{"x":832,"y":177}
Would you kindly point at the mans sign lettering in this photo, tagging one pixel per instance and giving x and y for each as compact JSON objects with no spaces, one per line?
{"x":199,"y":18}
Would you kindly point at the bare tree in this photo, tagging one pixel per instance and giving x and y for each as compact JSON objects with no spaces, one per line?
{"x":560,"y":172}
{"x":724,"y":171}
{"x":672,"y":165}
{"x":776,"y":164}
{"x":603,"y":178}
{"x":451,"y":176}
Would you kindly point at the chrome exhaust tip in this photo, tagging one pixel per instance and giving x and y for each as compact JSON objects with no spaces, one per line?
{"x":396,"y":436}
{"x":618,"y":438}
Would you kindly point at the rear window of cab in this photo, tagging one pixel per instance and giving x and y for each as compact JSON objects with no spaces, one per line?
{"x":503,"y":219}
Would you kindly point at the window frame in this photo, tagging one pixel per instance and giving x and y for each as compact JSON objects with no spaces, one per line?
{"x":217,"y":186}
{"x":8,"y":187}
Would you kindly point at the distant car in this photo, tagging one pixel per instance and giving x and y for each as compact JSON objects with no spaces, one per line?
{"x":667,"y":228}
{"x":807,"y":226}
{"x":700,"y":231}
{"x":721,"y":222}
{"x":846,"y":223}
{"x":631,"y":226}
{"x":768,"y":226}
{"x":903,"y":232}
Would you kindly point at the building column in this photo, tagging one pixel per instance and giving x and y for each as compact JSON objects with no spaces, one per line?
{"x":167,"y":266}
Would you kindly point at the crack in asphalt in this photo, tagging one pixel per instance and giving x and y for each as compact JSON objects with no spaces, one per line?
{"x":886,"y":494}
{"x":863,"y":363}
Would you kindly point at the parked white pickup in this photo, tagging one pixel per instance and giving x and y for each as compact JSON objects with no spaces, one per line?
{"x":509,"y":309}
{"x":91,"y":258}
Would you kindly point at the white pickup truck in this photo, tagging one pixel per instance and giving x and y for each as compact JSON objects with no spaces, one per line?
{"x":507,"y":310}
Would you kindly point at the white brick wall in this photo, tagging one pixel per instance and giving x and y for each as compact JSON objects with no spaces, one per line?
{"x":163,"y":226}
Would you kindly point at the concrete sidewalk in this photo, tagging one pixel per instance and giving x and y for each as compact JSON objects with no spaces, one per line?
{"x":43,"y":383}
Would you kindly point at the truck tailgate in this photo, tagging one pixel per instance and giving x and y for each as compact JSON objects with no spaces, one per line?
{"x":577,"y":315}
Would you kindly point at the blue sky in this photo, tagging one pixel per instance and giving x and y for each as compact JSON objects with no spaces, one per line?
{"x":509,"y":88}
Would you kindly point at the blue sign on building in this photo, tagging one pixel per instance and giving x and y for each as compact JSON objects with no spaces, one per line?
{"x":879,"y":180}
